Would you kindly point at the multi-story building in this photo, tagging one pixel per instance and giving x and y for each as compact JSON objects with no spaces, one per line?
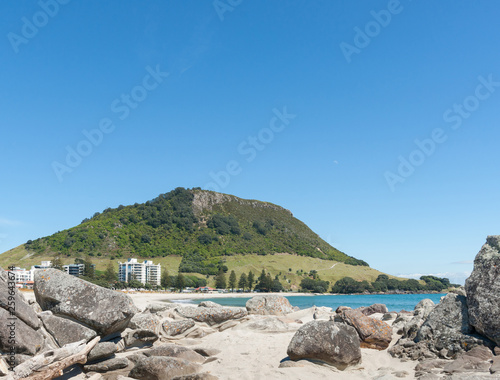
{"x":23,"y":275}
{"x":145,"y":273}
{"x":74,"y":269}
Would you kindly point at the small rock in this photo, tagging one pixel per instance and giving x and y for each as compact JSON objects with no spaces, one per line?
{"x":208,"y":304}
{"x":480,"y":352}
{"x":373,"y":333}
{"x":101,"y":351}
{"x":162,"y":368}
{"x":145,"y":321}
{"x":138,"y":338}
{"x":467,"y":364}
{"x":389,"y":316}
{"x":227,"y":325}
{"x":292,"y":364}
{"x":107,"y":365}
{"x":159,"y":307}
{"x":269,"y":305}
{"x":173,"y":328}
{"x":375,"y":308}
{"x":497,"y":351}
{"x":175,"y":351}
{"x":340,"y":309}
{"x":211,"y":315}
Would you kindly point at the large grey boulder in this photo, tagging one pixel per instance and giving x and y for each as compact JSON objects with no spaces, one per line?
{"x":22,"y":309}
{"x":269,"y":305}
{"x":483,"y":290}
{"x":27,"y":340}
{"x":105,"y":311}
{"x":333,"y":343}
{"x":64,"y":330}
{"x":445,"y":333}
{"x":211,"y":315}
{"x":162,"y":368}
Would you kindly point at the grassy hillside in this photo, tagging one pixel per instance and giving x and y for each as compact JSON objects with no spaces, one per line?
{"x":200,"y":226}
{"x":328,"y":270}
{"x":198,"y":232}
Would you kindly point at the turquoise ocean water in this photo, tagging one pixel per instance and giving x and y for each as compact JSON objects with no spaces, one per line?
{"x":394,"y":302}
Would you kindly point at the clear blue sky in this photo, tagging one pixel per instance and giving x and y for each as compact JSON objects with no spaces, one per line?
{"x":363,"y":79}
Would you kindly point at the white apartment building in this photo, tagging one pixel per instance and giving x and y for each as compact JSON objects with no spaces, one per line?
{"x":145,"y":273}
{"x":74,"y":269}
{"x":23,"y":275}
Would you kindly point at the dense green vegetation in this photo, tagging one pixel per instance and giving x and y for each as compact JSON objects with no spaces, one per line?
{"x":383,"y":283}
{"x":202,"y":233}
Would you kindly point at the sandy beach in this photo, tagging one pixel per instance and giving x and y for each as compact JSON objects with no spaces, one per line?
{"x":247,"y":353}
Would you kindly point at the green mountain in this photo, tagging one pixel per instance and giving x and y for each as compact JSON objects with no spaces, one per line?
{"x":204,"y":228}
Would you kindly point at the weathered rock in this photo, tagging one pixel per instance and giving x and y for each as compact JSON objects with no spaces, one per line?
{"x":375,"y":308}
{"x":334,"y":343}
{"x":22,"y":309}
{"x":197,"y":376}
{"x":293,"y":364}
{"x":480,"y":352}
{"x":372,"y":332}
{"x":101,"y":351}
{"x":139,"y":338}
{"x":212,"y":315}
{"x":447,"y":327}
{"x":340,"y":309}
{"x":27,"y":340}
{"x":208,"y":304}
{"x":269,"y":305}
{"x":4,"y":367}
{"x":107,"y":365}
{"x":389,"y":316}
{"x":66,"y":331}
{"x":227,"y":325}
{"x":401,"y":321}
{"x":420,"y":314}
{"x":159,"y":307}
{"x":145,"y":321}
{"x":104,"y":310}
{"x":483,"y":290}
{"x":467,"y":364}
{"x":173,"y":328}
{"x":162,"y":368}
{"x":175,"y":351}
{"x":322,"y":313}
{"x":267,"y":325}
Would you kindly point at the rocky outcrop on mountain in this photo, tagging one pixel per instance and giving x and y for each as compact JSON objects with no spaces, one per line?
{"x":483,"y":291}
{"x":333,"y":343}
{"x":103,"y":310}
{"x":372,"y":332}
{"x":269,"y":305}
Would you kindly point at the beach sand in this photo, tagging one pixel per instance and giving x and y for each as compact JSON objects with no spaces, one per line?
{"x":249,"y":354}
